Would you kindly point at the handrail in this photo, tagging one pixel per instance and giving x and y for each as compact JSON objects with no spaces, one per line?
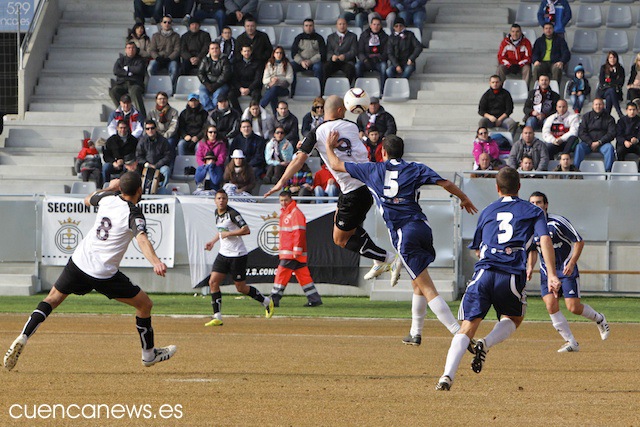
{"x":545,"y":173}
{"x":27,"y":37}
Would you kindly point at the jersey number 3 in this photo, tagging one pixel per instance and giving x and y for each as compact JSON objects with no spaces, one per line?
{"x":390,"y":183}
{"x":505,"y":228}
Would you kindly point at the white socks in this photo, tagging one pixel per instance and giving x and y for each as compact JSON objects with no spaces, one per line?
{"x":591,"y":314}
{"x":418,"y":313}
{"x":501,"y":331}
{"x":442,"y":311}
{"x":458,"y":347}
{"x":148,"y":355}
{"x":562,"y":326}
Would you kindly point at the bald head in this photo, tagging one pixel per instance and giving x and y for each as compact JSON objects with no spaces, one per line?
{"x":334,"y":108}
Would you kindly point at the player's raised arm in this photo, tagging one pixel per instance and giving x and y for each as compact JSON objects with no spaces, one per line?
{"x":465,"y":202}
{"x":294,"y":166}
{"x":149,"y":253}
{"x":114,"y":185}
{"x":333,"y":140}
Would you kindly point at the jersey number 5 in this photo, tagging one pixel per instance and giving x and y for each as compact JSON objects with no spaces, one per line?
{"x":390,"y":183}
{"x":102,"y":232}
{"x":505,"y":228}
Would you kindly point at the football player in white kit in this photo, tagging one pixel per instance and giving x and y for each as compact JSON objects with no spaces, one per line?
{"x":355,"y":200}
{"x":95,"y":262}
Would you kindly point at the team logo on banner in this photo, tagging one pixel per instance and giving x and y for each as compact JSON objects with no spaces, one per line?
{"x":68,"y":236}
{"x":269,"y":235}
{"x":154,"y":233}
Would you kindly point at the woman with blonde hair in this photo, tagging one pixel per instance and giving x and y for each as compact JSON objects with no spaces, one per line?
{"x":313,"y":118}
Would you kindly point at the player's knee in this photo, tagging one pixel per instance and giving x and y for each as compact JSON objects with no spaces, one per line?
{"x":574,"y":307}
{"x":340,"y":241}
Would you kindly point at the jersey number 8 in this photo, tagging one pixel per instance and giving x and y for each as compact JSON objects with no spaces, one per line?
{"x":102,"y":232}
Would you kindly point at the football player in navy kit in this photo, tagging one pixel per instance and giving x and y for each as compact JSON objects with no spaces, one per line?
{"x":567,"y":245}
{"x":95,"y":262}
{"x":355,"y":200}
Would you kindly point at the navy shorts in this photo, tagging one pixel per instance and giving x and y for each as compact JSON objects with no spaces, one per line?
{"x":570,"y":286}
{"x":75,"y":281}
{"x":414,"y":243}
{"x":353,"y":208}
{"x":236,"y":266}
{"x":504,"y":291}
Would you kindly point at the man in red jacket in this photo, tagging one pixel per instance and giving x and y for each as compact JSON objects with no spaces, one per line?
{"x":293,"y":253}
{"x":514,"y":55}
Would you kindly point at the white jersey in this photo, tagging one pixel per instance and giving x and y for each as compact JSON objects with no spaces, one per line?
{"x":118,"y":221}
{"x":351,"y":149}
{"x":231,"y":220}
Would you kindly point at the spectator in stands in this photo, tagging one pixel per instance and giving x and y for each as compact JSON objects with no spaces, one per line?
{"x":611,"y":82}
{"x":277,"y":77}
{"x":194,"y":45}
{"x":484,"y":144}
{"x":324,"y":184}
{"x":227,"y":44}
{"x":526,"y":165}
{"x":138,"y":35}
{"x":129,"y":70}
{"x":579,"y":88}
{"x":239,"y":11}
{"x":215,"y":75}
{"x":560,"y":130}
{"x":313,"y":118}
{"x":384,"y":10}
{"x":131,"y":163}
{"x":485,"y":163}
{"x":147,"y":9}
{"x":529,"y":145}
{"x":597,"y":132}
{"x":88,"y":163}
{"x":117,"y":147}
{"x":240,"y":174}
{"x":403,"y":49}
{"x":308,"y":51}
{"x":555,"y":12}
{"x":301,"y":183}
{"x":288,"y":121}
{"x":261,"y":46}
{"x":153,"y":151}
{"x":246,"y":78}
{"x":212,"y":143}
{"x":227,"y":120}
{"x":262,"y":121}
{"x":628,"y":132}
{"x":565,"y":165}
{"x":166,"y":118}
{"x":495,"y":107}
{"x":342,"y":50}
{"x":165,"y":50}
{"x":278,"y":154}
{"x":357,"y":10}
{"x":550,"y":54}
{"x":373,"y":142}
{"x":372,"y":50}
{"x":252,"y":145}
{"x":540,"y":103}
{"x":130,"y":115}
{"x":633,"y":85}
{"x":376,"y":114}
{"x":208,"y":176}
{"x":206,"y":9}
{"x":413,"y":12}
{"x":191,"y":125}
{"x":514,"y":55}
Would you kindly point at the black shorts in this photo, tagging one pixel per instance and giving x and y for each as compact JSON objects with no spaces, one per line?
{"x":236,"y":266}
{"x":353,"y":208}
{"x":75,"y":281}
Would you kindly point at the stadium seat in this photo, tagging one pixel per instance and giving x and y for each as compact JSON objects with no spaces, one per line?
{"x":615,"y":40}
{"x":211,"y":29}
{"x":287,"y":35}
{"x":552,"y":165}
{"x":263,"y":189}
{"x":589,"y":16}
{"x":624,"y":167}
{"x":518,"y":90}
{"x":357,"y":31}
{"x":592,"y":1}
{"x":270,"y":31}
{"x":270,"y":13}
{"x":185,"y":86}
{"x":370,"y":84}
{"x":180,"y":29}
{"x":636,"y":43}
{"x":150,"y":30}
{"x":619,"y":17}
{"x":180,"y":164}
{"x":530,"y":33}
{"x":396,"y":90}
{"x":527,"y":15}
{"x":307,"y":88}
{"x":589,"y":165}
{"x":80,"y":187}
{"x":314,"y":164}
{"x":327,"y":13}
{"x":553,"y":84}
{"x":157,"y":84}
{"x":236,"y":30}
{"x":99,"y":132}
{"x":336,"y":86}
{"x":585,"y":41}
{"x":586,"y":62}
{"x":324,"y":31}
{"x":297,"y":13}
{"x":182,"y":188}
{"x":566,"y":95}
{"x":622,"y":1}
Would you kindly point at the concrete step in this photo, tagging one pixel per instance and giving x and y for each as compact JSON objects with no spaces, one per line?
{"x":93,"y":109}
{"x":17,"y":267}
{"x":38,"y":160}
{"x":111,"y":15}
{"x":50,"y":133}
{"x":114,"y":39}
{"x":456,"y":62}
{"x":489,"y":17}
{"x":86,"y":119}
{"x":57,"y":53}
{"x":18,"y":284}
{"x":438,"y":143}
{"x":96,"y":92}
{"x":477,"y":40}
{"x":11,"y":171}
{"x":23,"y":185}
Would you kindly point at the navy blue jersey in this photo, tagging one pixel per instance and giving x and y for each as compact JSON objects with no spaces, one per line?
{"x":505,"y":231}
{"x":394,"y":185}
{"x":563,"y":235}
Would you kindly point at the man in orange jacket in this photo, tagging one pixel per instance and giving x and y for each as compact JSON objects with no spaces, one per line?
{"x":293,"y":253}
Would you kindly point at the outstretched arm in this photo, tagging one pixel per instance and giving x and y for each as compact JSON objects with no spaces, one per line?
{"x":294,"y":166}
{"x":465,"y":202}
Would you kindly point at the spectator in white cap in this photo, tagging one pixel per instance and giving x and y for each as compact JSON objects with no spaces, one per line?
{"x":239,"y":177}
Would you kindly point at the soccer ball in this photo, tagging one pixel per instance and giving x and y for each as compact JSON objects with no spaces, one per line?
{"x":356,"y":100}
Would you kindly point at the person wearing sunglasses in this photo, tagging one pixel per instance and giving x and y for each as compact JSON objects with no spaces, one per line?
{"x":313,"y":118}
{"x":484,"y":144}
{"x":154,"y":151}
{"x":165,"y":51}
